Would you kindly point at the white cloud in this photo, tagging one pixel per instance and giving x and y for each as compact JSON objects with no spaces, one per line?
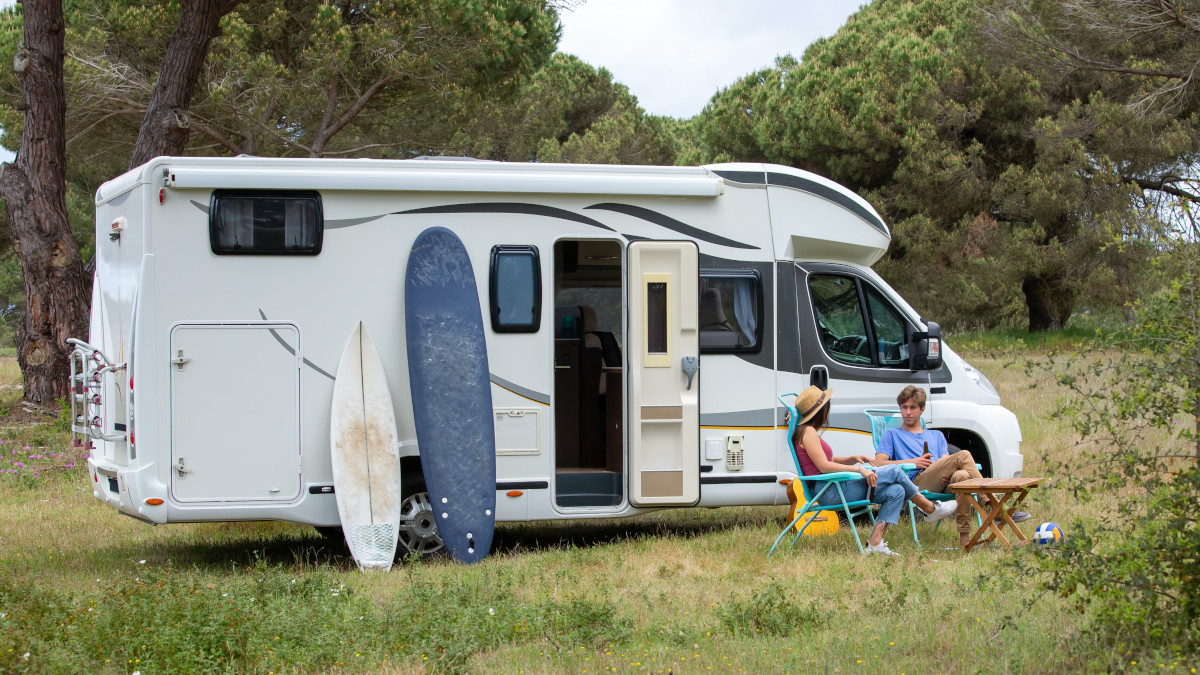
{"x":675,"y":54}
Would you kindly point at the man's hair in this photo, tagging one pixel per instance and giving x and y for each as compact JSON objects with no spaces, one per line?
{"x":911,"y":393}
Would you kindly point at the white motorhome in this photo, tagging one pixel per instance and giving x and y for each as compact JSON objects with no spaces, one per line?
{"x":225,"y":290}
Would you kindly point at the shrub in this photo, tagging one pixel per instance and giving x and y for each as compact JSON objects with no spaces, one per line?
{"x":1135,"y":400}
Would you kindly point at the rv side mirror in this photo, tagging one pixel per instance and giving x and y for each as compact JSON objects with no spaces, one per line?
{"x":926,"y":348}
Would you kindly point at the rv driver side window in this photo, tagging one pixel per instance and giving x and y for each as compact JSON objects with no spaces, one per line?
{"x":259,"y":222}
{"x":859,"y":328}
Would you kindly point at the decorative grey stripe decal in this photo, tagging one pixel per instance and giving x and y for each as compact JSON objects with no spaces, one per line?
{"x":826,"y":192}
{"x":509,"y":207}
{"x":741,"y":418}
{"x":519,"y":390}
{"x":291,"y":350}
{"x":522,"y":485}
{"x":738,"y":479}
{"x":329,"y":224}
{"x":348,"y":222}
{"x":747,"y":177}
{"x":671,"y":224}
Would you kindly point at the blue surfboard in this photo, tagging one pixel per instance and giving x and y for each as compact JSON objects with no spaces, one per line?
{"x":451,"y":392}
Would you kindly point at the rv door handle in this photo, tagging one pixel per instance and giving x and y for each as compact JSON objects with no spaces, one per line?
{"x":690,"y":365}
{"x":180,"y":359}
{"x":181,"y":467}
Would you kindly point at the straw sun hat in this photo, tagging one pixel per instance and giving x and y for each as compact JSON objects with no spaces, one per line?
{"x":809,"y":402}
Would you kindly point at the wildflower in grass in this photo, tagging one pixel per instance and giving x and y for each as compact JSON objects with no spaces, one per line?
{"x":28,"y":448}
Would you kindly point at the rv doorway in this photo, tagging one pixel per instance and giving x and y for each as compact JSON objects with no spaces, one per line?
{"x":588,"y":374}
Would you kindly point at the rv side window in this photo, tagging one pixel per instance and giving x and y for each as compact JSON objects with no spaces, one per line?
{"x":730,"y":307}
{"x":843,"y":307}
{"x":516,"y":289}
{"x":256,"y":222}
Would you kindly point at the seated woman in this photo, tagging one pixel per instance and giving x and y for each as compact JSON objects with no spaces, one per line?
{"x":891,"y":483}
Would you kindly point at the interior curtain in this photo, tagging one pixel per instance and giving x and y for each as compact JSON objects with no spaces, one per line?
{"x":237,"y":220}
{"x":743,"y":309}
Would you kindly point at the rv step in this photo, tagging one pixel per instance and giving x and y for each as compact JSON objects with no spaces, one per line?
{"x":588,"y":488}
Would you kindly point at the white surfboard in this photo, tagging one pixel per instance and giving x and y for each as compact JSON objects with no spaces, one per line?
{"x":365,"y":454}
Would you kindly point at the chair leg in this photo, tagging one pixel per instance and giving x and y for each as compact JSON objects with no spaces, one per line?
{"x":912,"y":519}
{"x":785,"y":531}
{"x":850,"y":519}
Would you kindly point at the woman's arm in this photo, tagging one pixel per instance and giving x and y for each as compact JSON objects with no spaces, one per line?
{"x":811,"y":443}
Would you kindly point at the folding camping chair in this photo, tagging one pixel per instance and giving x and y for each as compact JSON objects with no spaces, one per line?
{"x":815,"y":486}
{"x":882,"y":420}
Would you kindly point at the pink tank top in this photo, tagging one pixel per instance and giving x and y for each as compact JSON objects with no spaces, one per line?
{"x":806,"y":464}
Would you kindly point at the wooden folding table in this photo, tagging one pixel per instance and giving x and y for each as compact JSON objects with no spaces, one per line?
{"x":998,"y":513}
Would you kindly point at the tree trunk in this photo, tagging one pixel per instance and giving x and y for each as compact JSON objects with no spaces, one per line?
{"x":34,"y":191}
{"x":165,"y":127}
{"x":1049,"y":302}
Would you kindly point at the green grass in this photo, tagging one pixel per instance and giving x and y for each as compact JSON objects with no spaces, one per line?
{"x":691,"y":591}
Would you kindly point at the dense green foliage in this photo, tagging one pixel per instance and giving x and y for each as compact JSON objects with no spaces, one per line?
{"x":1136,"y":405}
{"x":1002,"y":184}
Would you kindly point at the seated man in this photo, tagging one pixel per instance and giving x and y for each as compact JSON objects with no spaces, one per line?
{"x":936,"y":467}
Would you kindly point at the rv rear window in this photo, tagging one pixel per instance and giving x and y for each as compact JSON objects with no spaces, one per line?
{"x":255,"y":222}
{"x":516,"y":289}
{"x":730,"y":310}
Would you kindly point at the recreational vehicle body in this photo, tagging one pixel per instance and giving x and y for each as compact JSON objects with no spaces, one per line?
{"x":640,"y":322}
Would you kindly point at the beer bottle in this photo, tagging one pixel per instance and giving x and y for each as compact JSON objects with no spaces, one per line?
{"x":926,"y":444}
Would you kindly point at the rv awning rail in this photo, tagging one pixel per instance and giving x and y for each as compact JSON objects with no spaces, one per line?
{"x":414,"y":180}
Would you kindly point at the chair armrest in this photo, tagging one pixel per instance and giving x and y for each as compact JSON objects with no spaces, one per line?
{"x":836,"y":477}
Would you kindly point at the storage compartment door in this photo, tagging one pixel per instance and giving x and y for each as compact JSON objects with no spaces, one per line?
{"x":235,"y":412}
{"x":662,"y":345}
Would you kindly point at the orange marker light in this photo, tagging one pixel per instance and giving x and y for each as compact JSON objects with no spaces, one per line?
{"x":154,"y":501}
{"x":784,"y":481}
{"x":514,"y":493}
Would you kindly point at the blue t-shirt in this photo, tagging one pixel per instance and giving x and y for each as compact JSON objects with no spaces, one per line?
{"x":904,"y":445}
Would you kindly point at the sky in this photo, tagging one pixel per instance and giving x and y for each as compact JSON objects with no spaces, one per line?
{"x":675,"y":54}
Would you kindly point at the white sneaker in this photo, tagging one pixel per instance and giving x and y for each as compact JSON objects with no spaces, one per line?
{"x":881,"y":549}
{"x":941,"y":510}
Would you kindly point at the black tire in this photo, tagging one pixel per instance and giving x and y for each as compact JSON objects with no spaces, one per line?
{"x":418,"y":524}
{"x":418,"y":527}
{"x":332,"y":532}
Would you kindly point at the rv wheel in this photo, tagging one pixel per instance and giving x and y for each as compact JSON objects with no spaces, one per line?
{"x":418,"y":526}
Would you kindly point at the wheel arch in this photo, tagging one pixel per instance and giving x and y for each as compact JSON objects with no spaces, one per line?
{"x":972,"y":443}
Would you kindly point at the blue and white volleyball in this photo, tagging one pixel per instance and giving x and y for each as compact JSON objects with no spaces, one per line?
{"x":1048,"y":533}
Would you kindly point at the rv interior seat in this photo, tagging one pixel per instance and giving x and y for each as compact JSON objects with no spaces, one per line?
{"x":604,"y":340}
{"x":715,"y":329}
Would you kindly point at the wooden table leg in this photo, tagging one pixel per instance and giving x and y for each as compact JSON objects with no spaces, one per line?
{"x":985,"y":516}
{"x":997,"y":511}
{"x":1021,"y":494}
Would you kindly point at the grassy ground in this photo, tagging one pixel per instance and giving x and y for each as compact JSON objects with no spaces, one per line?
{"x":84,"y":589}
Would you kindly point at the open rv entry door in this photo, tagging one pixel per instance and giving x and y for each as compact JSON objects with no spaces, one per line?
{"x":663,"y":351}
